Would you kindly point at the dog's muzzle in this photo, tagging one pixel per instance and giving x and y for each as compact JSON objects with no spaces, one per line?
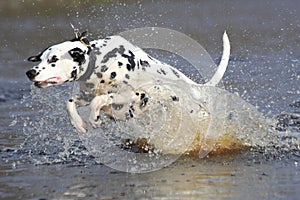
{"x":31,"y":74}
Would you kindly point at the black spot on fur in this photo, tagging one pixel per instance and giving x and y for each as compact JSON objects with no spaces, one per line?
{"x":161,"y":71}
{"x":128,"y":66}
{"x":144,"y":100}
{"x":174,"y":98}
{"x":143,"y":95}
{"x":113,"y":53}
{"x":53,"y":59}
{"x":175,"y":73}
{"x":120,"y":64}
{"x":113,"y":75}
{"x":131,"y":65}
{"x":102,"y":81}
{"x":127,"y":76}
{"x":99,"y":75}
{"x":144,"y":63}
{"x":74,"y":74}
{"x":53,"y":65}
{"x":131,"y":111}
{"x":104,"y":68}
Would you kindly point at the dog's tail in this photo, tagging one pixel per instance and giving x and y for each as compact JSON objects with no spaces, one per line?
{"x":223,"y":64}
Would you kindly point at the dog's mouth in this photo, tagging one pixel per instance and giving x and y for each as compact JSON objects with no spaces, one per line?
{"x":48,"y":82}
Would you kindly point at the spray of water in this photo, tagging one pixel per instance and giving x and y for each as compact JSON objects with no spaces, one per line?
{"x":204,"y":119}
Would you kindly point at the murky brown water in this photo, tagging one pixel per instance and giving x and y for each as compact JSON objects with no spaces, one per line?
{"x":264,"y":69}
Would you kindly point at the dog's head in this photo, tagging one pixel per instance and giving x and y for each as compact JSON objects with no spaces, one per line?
{"x":61,"y":62}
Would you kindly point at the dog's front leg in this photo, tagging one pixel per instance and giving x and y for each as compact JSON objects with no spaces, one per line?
{"x":76,"y":120}
{"x":96,"y":104}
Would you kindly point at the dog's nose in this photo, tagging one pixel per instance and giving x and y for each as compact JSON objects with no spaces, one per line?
{"x":31,"y":74}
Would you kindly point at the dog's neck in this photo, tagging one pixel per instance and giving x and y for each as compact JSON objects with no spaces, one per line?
{"x":88,"y":67}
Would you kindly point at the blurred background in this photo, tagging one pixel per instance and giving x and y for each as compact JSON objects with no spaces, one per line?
{"x":264,"y":36}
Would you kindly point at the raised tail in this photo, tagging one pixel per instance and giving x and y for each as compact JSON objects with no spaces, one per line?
{"x":217,"y":77}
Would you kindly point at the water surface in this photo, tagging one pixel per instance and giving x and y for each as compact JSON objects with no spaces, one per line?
{"x":43,"y":158}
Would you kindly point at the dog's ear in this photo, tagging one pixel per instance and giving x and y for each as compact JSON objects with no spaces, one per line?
{"x":34,"y":59}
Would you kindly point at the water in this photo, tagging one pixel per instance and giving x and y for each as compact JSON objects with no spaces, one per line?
{"x":42,"y":156}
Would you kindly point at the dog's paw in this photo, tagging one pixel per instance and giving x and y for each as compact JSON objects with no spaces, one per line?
{"x":95,"y":122}
{"x":81,"y":126}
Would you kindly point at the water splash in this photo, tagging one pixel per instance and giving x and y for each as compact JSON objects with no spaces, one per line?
{"x":51,"y":139}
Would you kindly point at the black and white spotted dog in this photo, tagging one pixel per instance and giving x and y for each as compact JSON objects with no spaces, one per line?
{"x":111,"y":71}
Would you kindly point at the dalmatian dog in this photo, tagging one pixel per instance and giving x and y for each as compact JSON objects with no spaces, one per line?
{"x":110,"y":72}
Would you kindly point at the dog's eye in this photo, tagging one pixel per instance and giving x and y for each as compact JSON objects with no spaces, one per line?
{"x":52,"y":59}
